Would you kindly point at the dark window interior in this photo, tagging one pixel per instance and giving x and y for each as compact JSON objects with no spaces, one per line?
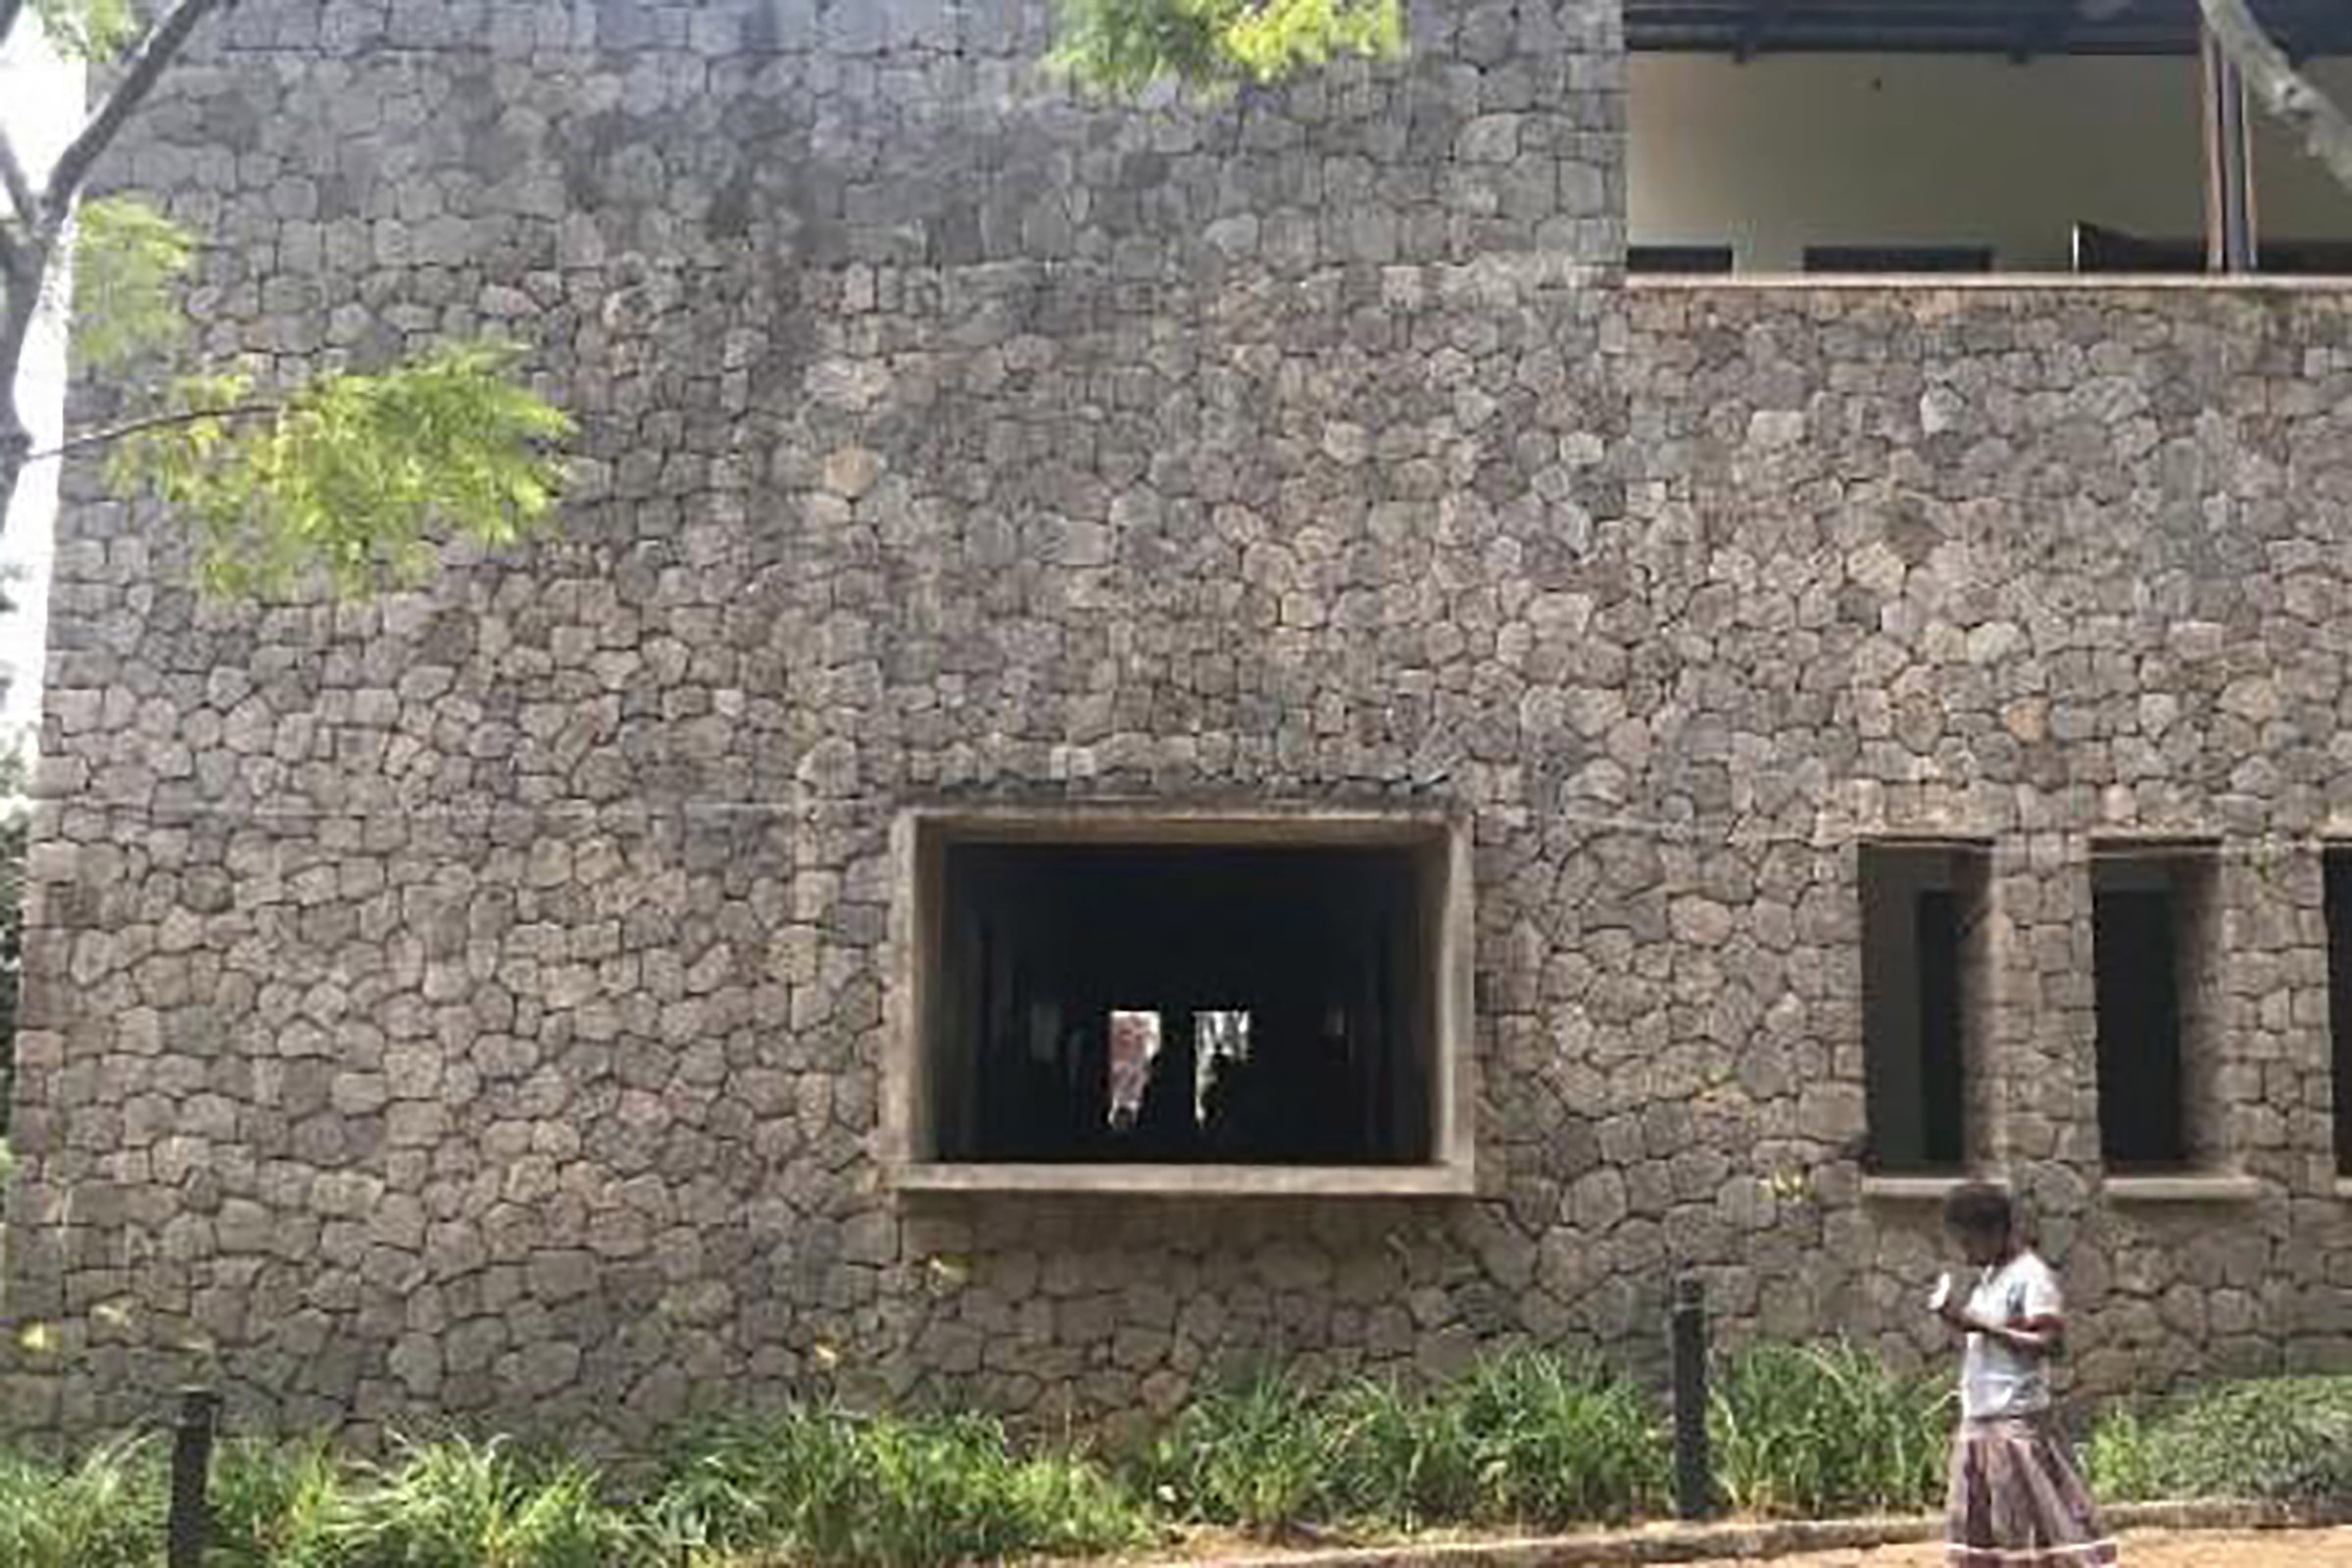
{"x":2136,"y":936}
{"x":1176,"y":1003}
{"x":1679,"y":259}
{"x":1899,"y":258}
{"x":2100,"y":249}
{"x":1922,"y":910}
{"x":2338,"y":863}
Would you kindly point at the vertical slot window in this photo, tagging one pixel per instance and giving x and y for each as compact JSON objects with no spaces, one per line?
{"x":1925,"y":969}
{"x":2154,"y":930}
{"x":2338,"y":870}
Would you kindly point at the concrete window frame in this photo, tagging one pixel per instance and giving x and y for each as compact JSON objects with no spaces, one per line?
{"x":1890,"y":870}
{"x":919,"y":839}
{"x":2195,"y":871}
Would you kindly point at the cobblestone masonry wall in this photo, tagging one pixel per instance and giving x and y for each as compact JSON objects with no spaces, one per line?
{"x":473,"y":1001}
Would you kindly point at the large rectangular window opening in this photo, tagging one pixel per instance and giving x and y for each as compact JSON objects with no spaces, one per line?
{"x":1106,"y":994}
{"x":2337,"y":865}
{"x":2156,"y":938}
{"x":1926,"y":981}
{"x":2039,"y":136}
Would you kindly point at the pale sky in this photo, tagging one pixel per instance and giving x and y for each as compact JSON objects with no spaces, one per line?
{"x":40,"y":102}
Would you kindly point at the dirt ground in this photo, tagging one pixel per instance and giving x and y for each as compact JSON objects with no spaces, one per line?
{"x":2146,"y":1548}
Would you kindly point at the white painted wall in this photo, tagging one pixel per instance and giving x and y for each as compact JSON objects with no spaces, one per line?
{"x":1923,"y":149}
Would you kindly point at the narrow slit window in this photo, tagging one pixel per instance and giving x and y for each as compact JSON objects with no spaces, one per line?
{"x":1924,"y":1003}
{"x":2153,"y":931}
{"x":2338,"y":870}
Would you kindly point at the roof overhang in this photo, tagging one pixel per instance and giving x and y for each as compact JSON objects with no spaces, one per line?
{"x":2017,"y":29}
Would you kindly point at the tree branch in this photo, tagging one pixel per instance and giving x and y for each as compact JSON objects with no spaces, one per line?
{"x":20,"y":188}
{"x":160,"y":421}
{"x":2284,"y":90}
{"x":10,"y":10}
{"x":145,"y":67}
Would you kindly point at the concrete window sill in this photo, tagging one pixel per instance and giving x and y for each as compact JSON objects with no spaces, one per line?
{"x":1191,"y":1181}
{"x":2217,"y":1188}
{"x":1920,"y":1187}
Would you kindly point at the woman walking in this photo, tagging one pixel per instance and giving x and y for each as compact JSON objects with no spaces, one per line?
{"x":2017,"y":1500}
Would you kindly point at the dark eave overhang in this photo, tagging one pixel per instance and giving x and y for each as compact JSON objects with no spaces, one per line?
{"x":2020,"y":29}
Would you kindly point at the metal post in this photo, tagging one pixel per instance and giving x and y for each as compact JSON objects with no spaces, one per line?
{"x":1694,"y":1486}
{"x":2230,"y":236}
{"x":191,"y":1469}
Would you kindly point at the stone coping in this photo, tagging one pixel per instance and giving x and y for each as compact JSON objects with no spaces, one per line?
{"x":1717,"y":1542}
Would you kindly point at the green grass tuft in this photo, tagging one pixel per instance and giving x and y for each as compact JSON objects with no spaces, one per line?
{"x":824,"y":1485}
{"x":458,"y":1503}
{"x":1528,"y":1437}
{"x":104,"y":1510}
{"x":2278,"y":1440}
{"x":1821,"y":1430}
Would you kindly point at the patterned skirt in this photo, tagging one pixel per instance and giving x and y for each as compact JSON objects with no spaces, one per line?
{"x":2017,"y":1503}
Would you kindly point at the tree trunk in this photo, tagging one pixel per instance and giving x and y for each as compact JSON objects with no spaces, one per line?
{"x":2284,"y":91}
{"x":20,"y":303}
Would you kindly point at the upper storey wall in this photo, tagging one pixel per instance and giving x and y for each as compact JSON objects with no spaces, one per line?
{"x":910,"y":132}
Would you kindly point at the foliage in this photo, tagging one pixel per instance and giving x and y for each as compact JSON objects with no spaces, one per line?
{"x":1825,"y":1429}
{"x":103,"y":1511}
{"x":128,"y":261}
{"x":458,"y":1503}
{"x":2280,"y":1440}
{"x":89,"y":29}
{"x":1527,"y":1440}
{"x":819,"y":1484}
{"x":278,"y":1505}
{"x":2121,"y":1460}
{"x":349,"y":470}
{"x":340,"y":475}
{"x":1527,"y":1437}
{"x":1561,"y":1441}
{"x":1125,"y":45}
{"x":1254,"y":1453}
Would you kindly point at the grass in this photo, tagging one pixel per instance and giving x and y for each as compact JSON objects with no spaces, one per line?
{"x":104,"y":1510}
{"x":278,"y":1505}
{"x":821,"y":1485}
{"x":1825,"y":1429}
{"x":2278,"y":1440}
{"x":458,"y":1503}
{"x":1527,"y":1440}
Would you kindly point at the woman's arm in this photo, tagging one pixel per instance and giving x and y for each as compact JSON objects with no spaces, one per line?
{"x":2035,"y":1336}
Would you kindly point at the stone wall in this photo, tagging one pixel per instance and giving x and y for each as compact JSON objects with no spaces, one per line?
{"x":473,"y":1000}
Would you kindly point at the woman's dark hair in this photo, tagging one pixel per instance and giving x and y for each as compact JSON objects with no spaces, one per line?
{"x":1979,"y":1208}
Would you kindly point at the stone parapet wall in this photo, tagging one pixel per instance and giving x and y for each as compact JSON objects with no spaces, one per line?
{"x":474,"y":1000}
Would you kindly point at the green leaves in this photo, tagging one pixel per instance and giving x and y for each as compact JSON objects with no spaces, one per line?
{"x":347,"y":475}
{"x":128,"y":260}
{"x":344,"y":476}
{"x":2278,"y":1440}
{"x":1125,"y":45}
{"x":1817,"y":1429}
{"x":88,"y":30}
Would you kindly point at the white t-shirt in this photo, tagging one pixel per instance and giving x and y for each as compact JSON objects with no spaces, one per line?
{"x":1996,"y":1380}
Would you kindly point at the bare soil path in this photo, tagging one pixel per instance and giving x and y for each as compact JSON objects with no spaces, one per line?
{"x":2145,"y":1548}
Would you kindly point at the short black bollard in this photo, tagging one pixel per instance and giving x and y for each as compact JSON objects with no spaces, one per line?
{"x":191,"y":1469}
{"x":1694,"y":1487}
